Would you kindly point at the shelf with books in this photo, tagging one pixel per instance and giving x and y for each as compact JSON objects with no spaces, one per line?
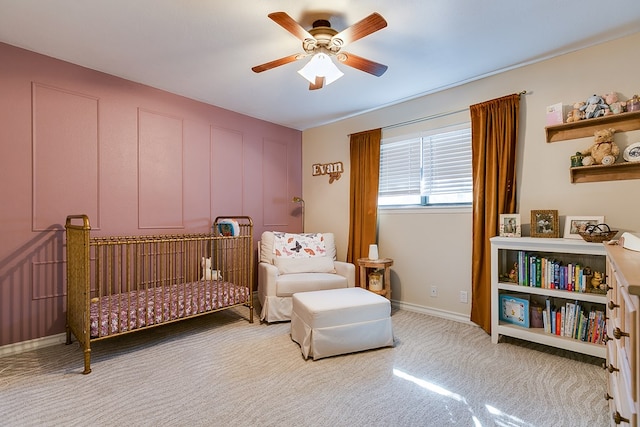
{"x":555,"y":293}
{"x":551,"y":278}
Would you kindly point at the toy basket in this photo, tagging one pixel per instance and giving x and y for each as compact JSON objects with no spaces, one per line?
{"x":598,"y":233}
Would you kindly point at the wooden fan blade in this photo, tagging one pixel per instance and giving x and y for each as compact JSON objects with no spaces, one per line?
{"x":318,"y":84}
{"x":362,"y":64}
{"x":360,"y":29}
{"x":278,"y":62}
{"x":289,"y":24}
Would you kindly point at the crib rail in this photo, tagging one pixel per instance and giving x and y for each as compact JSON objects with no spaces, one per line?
{"x":236,"y":253}
{"x":126,"y":264}
{"x":144,"y":281}
{"x":78,"y":283}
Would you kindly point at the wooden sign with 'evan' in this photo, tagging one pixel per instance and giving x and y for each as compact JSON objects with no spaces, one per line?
{"x":334,"y":170}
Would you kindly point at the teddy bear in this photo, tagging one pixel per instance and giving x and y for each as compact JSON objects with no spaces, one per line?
{"x":596,"y":280}
{"x":603,"y":151}
{"x":208,"y":273}
{"x":615,"y":105}
{"x":576,"y":114}
{"x":594,"y":107}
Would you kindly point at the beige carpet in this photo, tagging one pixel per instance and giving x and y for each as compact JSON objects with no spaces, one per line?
{"x":219,"y":370}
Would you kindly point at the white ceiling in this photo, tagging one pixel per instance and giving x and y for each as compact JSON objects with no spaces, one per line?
{"x":204,"y":49}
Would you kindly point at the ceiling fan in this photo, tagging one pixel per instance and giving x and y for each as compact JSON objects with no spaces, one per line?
{"x":323,"y":42}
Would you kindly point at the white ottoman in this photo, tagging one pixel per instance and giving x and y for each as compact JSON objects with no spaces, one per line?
{"x":338,"y":321}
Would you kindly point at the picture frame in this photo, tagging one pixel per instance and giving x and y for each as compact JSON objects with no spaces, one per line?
{"x":515,"y":310}
{"x":574,"y":224}
{"x":544,"y":223}
{"x":510,"y":225}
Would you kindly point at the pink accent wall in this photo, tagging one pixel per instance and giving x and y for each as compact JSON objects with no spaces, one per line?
{"x":136,"y":159}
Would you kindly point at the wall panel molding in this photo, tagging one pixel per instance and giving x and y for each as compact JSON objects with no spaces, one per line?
{"x":47,"y":279}
{"x":65,"y":159}
{"x":160,"y":170}
{"x":275,"y":183}
{"x":227,"y":172}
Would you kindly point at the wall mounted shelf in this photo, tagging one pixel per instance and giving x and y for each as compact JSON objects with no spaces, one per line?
{"x":615,"y":172}
{"x":620,"y":122}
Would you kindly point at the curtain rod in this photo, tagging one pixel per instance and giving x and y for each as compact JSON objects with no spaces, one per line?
{"x":423,"y":119}
{"x":434,"y":116}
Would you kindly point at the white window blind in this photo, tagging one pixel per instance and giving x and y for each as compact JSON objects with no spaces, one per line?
{"x":400,"y":164}
{"x":431,"y":169}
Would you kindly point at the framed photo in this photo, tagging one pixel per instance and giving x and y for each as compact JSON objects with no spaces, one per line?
{"x":574,"y":224}
{"x":510,"y":225}
{"x":544,"y":223}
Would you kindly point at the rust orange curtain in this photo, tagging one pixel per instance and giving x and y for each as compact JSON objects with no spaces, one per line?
{"x":494,"y":132}
{"x":363,"y":205}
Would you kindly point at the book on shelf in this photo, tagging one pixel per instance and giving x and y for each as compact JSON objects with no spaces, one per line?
{"x":570,"y":319}
{"x":584,"y":322}
{"x":547,"y":307}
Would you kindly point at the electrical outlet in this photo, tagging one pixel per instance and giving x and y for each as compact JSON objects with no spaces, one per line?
{"x":434,"y":291}
{"x":463,"y":296}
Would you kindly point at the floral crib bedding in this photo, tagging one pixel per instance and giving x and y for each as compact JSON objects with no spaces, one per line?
{"x":123,"y":312}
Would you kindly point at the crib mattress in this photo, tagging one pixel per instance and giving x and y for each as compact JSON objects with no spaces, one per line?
{"x":123,"y":312}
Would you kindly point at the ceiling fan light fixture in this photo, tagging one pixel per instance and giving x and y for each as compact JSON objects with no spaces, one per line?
{"x":321,"y":65}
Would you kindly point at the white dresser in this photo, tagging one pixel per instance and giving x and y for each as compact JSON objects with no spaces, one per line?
{"x":623,"y":354}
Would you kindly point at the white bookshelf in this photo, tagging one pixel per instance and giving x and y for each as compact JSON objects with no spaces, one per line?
{"x":504,"y":250}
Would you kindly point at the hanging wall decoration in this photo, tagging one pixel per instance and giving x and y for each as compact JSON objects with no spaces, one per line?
{"x":334,"y":170}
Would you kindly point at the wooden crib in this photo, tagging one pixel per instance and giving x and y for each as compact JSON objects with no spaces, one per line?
{"x":118,"y":284}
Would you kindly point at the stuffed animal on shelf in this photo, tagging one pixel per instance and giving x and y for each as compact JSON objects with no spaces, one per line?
{"x":603,"y":151}
{"x":633,"y":104}
{"x":576,"y":114}
{"x":513,"y":274}
{"x":615,"y":105}
{"x":596,"y":280}
{"x":594,"y":107}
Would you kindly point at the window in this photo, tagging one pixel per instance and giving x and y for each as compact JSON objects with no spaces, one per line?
{"x":427,"y":169}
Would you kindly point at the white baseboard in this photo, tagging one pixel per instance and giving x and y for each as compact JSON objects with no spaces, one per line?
{"x":21,"y":347}
{"x":457,"y":317}
{"x":43,"y":342}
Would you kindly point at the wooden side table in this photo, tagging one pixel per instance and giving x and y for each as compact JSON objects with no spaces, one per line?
{"x":366,"y":264}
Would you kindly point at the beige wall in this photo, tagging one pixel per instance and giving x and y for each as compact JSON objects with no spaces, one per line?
{"x":432,"y":247}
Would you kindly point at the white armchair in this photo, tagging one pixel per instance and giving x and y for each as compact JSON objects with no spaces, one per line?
{"x":280,"y":277}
